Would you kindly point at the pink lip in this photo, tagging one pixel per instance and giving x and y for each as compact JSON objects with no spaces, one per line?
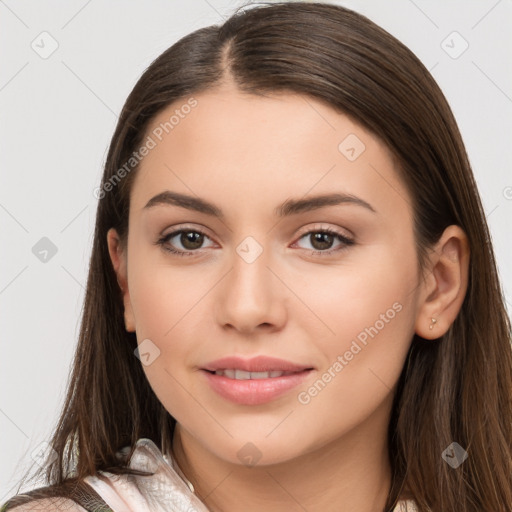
{"x":254,"y":391}
{"x":255,"y":364}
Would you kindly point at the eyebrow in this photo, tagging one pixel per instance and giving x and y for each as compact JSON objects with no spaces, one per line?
{"x":286,"y":209}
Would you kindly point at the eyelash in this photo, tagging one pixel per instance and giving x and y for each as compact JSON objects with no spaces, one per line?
{"x":347,"y":242}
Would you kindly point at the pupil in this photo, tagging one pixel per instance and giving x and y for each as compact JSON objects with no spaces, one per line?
{"x":321,"y":238}
{"x":191,"y":240}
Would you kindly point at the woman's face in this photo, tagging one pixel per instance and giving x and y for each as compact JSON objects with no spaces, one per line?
{"x":269,"y":268}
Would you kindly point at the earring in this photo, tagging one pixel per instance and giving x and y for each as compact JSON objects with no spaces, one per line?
{"x":433,"y":321}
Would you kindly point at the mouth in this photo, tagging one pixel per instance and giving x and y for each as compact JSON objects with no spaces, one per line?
{"x":237,"y":374}
{"x":254,"y":388}
{"x":260,"y":364}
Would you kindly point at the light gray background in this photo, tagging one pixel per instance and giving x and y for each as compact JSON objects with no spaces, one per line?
{"x":57,"y":117}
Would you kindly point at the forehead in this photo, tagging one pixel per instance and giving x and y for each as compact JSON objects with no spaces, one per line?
{"x":255,"y":151}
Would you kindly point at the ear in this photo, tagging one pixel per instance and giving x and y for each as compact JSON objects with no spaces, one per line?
{"x":444,"y":285}
{"x":119,"y":262}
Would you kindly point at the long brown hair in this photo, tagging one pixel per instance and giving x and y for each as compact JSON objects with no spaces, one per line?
{"x":455,"y":389}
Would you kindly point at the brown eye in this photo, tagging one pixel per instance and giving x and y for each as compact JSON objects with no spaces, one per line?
{"x":322,"y":240}
{"x":191,"y":240}
{"x":183,"y":242}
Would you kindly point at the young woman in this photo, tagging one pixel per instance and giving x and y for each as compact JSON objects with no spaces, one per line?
{"x":293,"y":301}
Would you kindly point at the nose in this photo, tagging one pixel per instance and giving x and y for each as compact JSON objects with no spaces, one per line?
{"x":251,"y":297}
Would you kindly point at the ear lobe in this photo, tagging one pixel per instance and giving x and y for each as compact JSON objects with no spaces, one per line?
{"x":445,"y":287}
{"x":118,"y":258}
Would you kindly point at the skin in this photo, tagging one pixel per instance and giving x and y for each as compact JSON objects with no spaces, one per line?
{"x":248,"y":154}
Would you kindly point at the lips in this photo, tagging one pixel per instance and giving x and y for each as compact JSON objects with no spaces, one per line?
{"x":254,"y":381}
{"x":243,"y":375}
{"x":255,"y":364}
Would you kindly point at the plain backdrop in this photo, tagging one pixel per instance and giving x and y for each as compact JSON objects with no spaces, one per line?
{"x":66,"y":69}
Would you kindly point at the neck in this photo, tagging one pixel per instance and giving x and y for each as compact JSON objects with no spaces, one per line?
{"x":349,"y":474}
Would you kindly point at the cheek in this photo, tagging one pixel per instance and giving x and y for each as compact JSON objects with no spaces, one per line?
{"x":162,"y":296}
{"x":163,"y":300}
{"x":371,"y":287}
{"x":369,"y":307}
{"x":168,"y":306}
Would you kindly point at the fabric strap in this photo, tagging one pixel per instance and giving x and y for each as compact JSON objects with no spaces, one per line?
{"x":88,"y":498}
{"x":79,"y":492}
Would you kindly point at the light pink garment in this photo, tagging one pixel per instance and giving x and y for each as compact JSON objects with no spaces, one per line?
{"x":167,"y":490}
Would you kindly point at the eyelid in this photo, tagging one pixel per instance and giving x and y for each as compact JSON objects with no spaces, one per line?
{"x":187,"y":227}
{"x":303,"y":231}
{"x":318,"y":226}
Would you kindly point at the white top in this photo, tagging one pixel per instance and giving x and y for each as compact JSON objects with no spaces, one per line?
{"x":167,"y":487}
{"x":167,"y":490}
{"x":164,"y":491}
